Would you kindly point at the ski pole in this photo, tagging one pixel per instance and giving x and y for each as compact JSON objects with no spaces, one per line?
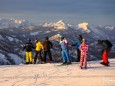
{"x":89,"y":63}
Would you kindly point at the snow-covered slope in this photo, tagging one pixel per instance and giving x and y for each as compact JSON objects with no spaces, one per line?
{"x":55,"y":75}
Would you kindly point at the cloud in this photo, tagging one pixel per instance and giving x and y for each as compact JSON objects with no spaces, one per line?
{"x":53,"y":5}
{"x":70,"y":10}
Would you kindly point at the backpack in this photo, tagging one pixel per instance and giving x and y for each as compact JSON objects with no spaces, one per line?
{"x":109,"y":44}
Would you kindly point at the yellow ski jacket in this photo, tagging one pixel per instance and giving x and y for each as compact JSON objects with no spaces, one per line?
{"x":39,"y":46}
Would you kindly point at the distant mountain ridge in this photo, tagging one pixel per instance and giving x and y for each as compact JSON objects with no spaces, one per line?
{"x":7,"y":23}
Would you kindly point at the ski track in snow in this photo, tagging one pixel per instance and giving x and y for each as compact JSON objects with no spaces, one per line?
{"x":52,"y":74}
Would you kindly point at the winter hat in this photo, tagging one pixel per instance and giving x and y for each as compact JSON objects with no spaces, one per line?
{"x":29,"y":39}
{"x":46,"y":38}
{"x":99,"y":41}
{"x":80,"y":37}
{"x":36,"y":40}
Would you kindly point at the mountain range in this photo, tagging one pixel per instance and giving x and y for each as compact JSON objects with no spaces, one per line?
{"x":14,"y":33}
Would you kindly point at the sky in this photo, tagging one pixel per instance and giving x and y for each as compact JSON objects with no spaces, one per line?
{"x":95,"y":12}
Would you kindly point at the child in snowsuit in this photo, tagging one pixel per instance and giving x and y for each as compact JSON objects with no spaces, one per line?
{"x":84,"y":54}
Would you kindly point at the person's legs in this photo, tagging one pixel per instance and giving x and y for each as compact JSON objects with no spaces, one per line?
{"x":68,"y":50}
{"x":67,"y":56}
{"x":85,"y":61}
{"x":27,"y":57}
{"x":30,"y":57}
{"x":63,"y":56}
{"x":81,"y":61}
{"x":105,"y":57}
{"x":78,"y":55}
{"x":35,"y":58}
{"x":45,"y":54}
{"x":50,"y":56}
{"x":40,"y":56}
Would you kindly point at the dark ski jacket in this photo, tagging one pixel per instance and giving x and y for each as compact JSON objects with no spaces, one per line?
{"x":106,"y":45}
{"x":77,"y":44}
{"x":28,"y":47}
{"x":47,"y":45}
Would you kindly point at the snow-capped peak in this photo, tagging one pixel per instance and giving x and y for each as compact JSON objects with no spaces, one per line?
{"x":60,"y":22}
{"x":58,"y":25}
{"x":46,"y":24}
{"x":5,"y":23}
{"x":109,"y":27}
{"x":84,"y":26}
{"x":18,"y":21}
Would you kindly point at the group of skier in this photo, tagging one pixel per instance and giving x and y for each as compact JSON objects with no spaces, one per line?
{"x":81,"y":45}
{"x":46,"y":46}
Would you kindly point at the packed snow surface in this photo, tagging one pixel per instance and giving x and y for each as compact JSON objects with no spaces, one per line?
{"x":55,"y":75}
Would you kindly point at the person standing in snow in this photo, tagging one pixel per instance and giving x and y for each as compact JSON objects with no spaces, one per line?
{"x":84,"y":53}
{"x":39,"y":48}
{"x":28,"y":47}
{"x":64,"y":51}
{"x":106,"y":47}
{"x":47,"y":49}
{"x":66,"y":42}
{"x":77,"y":44}
{"x":64,"y":39}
